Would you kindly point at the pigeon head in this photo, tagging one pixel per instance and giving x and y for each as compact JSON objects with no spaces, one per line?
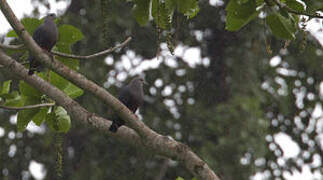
{"x":138,"y":81}
{"x":50,"y":17}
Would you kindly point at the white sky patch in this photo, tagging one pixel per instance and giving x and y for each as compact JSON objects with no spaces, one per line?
{"x":12,"y":150}
{"x":37,"y":170}
{"x":2,"y":131}
{"x":275,"y":61}
{"x":21,"y":8}
{"x":317,"y":112}
{"x":192,"y":56}
{"x":315,"y":27}
{"x":148,"y":64}
{"x":306,"y":174}
{"x":13,"y":119}
{"x":126,"y":62}
{"x":109,"y":60}
{"x":216,"y":2}
{"x":171,"y":62}
{"x":290,"y":148}
{"x":179,"y":50}
{"x":33,"y":128}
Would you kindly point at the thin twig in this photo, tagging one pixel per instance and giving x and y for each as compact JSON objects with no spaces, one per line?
{"x":107,"y":51}
{"x":284,"y":6}
{"x":28,"y":107}
{"x":93,"y":55}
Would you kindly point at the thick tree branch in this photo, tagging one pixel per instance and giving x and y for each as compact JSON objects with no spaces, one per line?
{"x":284,"y":6}
{"x":28,"y":107}
{"x":159,"y":144}
{"x":107,"y":51}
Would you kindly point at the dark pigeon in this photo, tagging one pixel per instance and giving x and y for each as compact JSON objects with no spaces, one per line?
{"x":45,"y":36}
{"x":131,"y":96}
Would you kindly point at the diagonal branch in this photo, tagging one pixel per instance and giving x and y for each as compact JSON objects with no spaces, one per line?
{"x":159,"y":144}
{"x":27,"y":107}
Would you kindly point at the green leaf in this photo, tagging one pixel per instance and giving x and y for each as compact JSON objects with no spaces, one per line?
{"x":170,"y":5}
{"x":73,"y":91}
{"x":313,"y":6}
{"x":26,"y":90}
{"x":295,"y":5}
{"x":141,"y":11}
{"x":14,"y":99}
{"x":242,"y":1}
{"x":259,"y":2}
{"x":239,"y":14}
{"x":25,"y":116}
{"x":161,"y":14}
{"x":280,"y":26}
{"x":59,"y":120}
{"x":234,"y":24}
{"x":6,"y":87}
{"x":179,"y":178}
{"x":58,"y":81}
{"x":64,"y":120}
{"x":30,"y":25}
{"x":189,"y":8}
{"x":69,"y":35}
{"x":40,"y":116}
{"x":241,"y":10}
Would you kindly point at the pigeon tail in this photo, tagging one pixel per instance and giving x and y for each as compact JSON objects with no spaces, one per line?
{"x":31,"y":72}
{"x":114,"y":127}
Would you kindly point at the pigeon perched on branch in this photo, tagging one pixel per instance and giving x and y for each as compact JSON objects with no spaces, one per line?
{"x":132,"y":96}
{"x":45,"y":36}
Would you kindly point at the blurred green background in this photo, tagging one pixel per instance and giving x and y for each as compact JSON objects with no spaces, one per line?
{"x":222,"y":93}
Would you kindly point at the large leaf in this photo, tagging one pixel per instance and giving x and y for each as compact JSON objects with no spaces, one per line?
{"x":30,"y":25}
{"x":5,"y":88}
{"x":313,"y":6}
{"x":73,"y":91}
{"x":26,"y":90}
{"x":281,"y":26}
{"x":14,"y":99}
{"x":58,"y":81}
{"x":141,"y":11}
{"x":59,"y":120}
{"x":234,"y":24}
{"x":68,"y":35}
{"x":295,"y":5}
{"x":240,"y":13}
{"x":241,"y":10}
{"x":40,"y":116}
{"x":25,"y":116}
{"x":188,"y":7}
{"x":161,"y":14}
